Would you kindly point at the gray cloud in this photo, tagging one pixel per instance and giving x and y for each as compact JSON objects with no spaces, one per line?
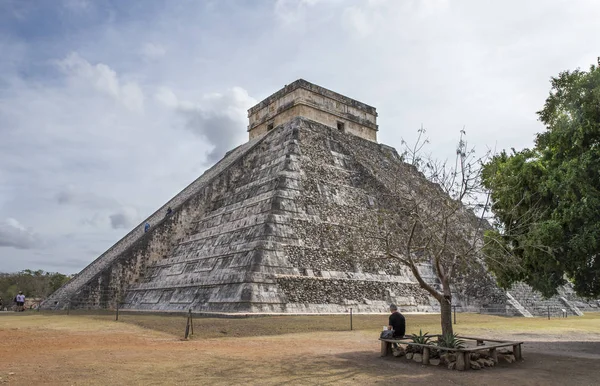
{"x":69,"y":195}
{"x":15,"y":235}
{"x":104,"y":79}
{"x":125,"y":218}
{"x":221,"y":119}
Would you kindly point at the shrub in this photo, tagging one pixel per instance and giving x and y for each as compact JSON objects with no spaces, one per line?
{"x":450,"y":341}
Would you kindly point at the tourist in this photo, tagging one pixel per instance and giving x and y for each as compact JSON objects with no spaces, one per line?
{"x":20,"y":298}
{"x":146,"y":227}
{"x":397,"y":323}
{"x":1,"y":304}
{"x":169,"y":211}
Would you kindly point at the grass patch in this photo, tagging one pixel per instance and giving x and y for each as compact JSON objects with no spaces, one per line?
{"x":210,"y":327}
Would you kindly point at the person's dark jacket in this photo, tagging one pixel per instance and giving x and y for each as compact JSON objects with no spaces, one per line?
{"x":398,"y":324}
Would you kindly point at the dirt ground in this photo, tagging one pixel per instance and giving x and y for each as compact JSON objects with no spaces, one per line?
{"x":148,"y":349}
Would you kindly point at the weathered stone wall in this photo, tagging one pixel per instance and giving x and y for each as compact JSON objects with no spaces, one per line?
{"x":97,"y":267}
{"x":305,"y":99}
{"x":273,"y":228}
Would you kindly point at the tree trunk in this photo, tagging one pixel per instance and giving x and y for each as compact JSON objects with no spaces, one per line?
{"x":446,"y":315}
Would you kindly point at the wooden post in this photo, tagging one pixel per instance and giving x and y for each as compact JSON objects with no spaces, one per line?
{"x":386,"y":347}
{"x":425,"y":355}
{"x":461,"y":361}
{"x":494,"y":355}
{"x":117,"y":313}
{"x":350,"y":319}
{"x":191,"y":322}
{"x":548,"y":312}
{"x":517,"y":351}
{"x":454,"y":314}
{"x":187,"y":328}
{"x":69,"y":308}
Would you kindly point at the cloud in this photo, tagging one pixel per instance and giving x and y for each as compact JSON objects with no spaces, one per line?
{"x":14,"y":234}
{"x":77,"y":5}
{"x":151,"y":51}
{"x":357,"y":20}
{"x":104,"y":79}
{"x":70,"y":195}
{"x":125,"y":218}
{"x":374,"y":16}
{"x":81,"y":138}
{"x":293,"y":11}
{"x":220,"y":118}
{"x":98,"y":211}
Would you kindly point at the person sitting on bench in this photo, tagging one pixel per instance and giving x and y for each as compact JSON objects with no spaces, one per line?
{"x":397,"y":322}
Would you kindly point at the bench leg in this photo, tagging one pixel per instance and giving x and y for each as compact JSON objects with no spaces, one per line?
{"x":463,"y":361}
{"x":479,"y":343}
{"x":386,"y":348}
{"x":494,"y":355}
{"x":517,"y":352}
{"x":425,"y":355}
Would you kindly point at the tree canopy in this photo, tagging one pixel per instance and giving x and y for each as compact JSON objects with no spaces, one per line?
{"x":546,"y":200}
{"x":34,"y":284}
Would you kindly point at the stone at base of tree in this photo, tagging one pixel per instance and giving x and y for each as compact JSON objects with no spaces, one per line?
{"x":418,"y":358}
{"x":482,"y":362}
{"x":448,"y":358}
{"x":475,"y":365}
{"x":504,"y":351}
{"x":397,"y":352}
{"x":490,"y":363}
{"x":434,"y":362}
{"x":474,"y":356}
{"x":409,"y":355}
{"x":451,"y":365}
{"x":509,"y":358}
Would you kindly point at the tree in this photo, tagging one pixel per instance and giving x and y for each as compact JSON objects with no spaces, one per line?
{"x":34,"y":284}
{"x":432,"y":221}
{"x":546,"y":200}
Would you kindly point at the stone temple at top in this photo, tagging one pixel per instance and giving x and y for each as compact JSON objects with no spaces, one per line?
{"x":304,"y":99}
{"x":270,"y":228}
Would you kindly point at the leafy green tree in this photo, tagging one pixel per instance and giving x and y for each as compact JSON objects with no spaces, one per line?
{"x":34,"y":284}
{"x":57,"y":280}
{"x":546,"y":200}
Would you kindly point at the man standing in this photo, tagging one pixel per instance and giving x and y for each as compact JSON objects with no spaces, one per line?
{"x":397,"y":322}
{"x":20,"y":302}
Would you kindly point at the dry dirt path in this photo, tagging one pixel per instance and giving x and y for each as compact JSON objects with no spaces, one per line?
{"x":79,"y":350}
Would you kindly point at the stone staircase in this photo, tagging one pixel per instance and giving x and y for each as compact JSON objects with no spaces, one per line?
{"x":533,"y":302}
{"x":60,"y":298}
{"x":517,"y":306}
{"x":584,"y":305}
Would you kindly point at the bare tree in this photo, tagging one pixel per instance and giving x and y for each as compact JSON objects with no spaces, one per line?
{"x":434,"y":220}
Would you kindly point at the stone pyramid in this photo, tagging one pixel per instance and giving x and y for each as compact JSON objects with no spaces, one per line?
{"x":266,"y":229}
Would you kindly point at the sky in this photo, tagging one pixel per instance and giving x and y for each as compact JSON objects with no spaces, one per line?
{"x":109,"y":108}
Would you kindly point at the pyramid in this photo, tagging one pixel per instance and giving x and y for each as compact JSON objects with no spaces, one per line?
{"x":267,"y":228}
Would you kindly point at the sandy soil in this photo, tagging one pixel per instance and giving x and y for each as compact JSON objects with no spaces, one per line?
{"x":83,"y":350}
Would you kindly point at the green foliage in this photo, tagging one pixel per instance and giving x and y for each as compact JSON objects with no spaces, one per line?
{"x":547,"y":199}
{"x":34,"y":284}
{"x":421,"y":338}
{"x":450,"y":341}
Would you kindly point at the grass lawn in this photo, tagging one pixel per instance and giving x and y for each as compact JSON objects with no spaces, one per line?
{"x":41,"y":348}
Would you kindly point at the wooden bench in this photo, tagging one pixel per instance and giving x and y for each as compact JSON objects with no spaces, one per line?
{"x":462,"y":354}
